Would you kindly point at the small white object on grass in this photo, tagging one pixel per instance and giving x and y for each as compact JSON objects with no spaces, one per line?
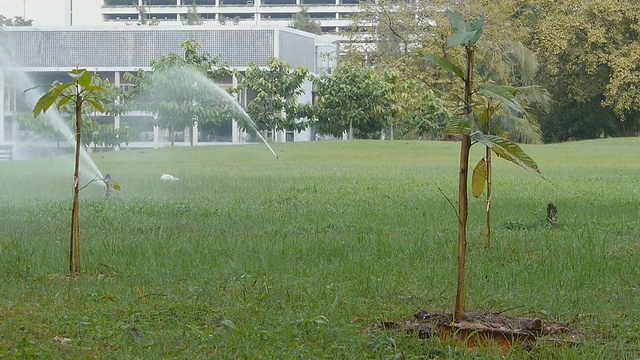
{"x":62,"y":340}
{"x":167,"y":177}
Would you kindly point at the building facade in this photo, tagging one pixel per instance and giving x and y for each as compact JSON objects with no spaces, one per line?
{"x":333,"y":15}
{"x":31,"y":56}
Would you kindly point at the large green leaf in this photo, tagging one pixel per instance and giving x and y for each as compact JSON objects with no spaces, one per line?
{"x":81,"y":76}
{"x":485,"y":115}
{"x":460,"y":125}
{"x":445,"y":64}
{"x":464,"y":33}
{"x":508,"y":150}
{"x":503,"y":94}
{"x":44,"y":103}
{"x":93,"y":88}
{"x":479,"y":178}
{"x":63,"y":101}
{"x":477,"y":27}
{"x":61,"y":88}
{"x":98,"y":106}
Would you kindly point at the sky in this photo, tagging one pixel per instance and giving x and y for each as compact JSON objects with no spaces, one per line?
{"x":42,"y":12}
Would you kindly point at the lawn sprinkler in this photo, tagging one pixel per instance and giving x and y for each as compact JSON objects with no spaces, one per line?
{"x":109,"y":184}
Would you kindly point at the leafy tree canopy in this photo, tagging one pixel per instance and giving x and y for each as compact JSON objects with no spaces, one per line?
{"x":16,"y":21}
{"x":277,"y":89}
{"x":591,"y":58}
{"x":353,"y":99}
{"x":181,"y":89}
{"x":303,"y":21}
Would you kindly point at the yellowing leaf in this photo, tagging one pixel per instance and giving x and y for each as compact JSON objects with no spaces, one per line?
{"x":114,"y":185}
{"x":479,"y":178}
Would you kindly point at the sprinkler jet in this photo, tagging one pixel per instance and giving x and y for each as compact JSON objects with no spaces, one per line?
{"x":109,"y":184}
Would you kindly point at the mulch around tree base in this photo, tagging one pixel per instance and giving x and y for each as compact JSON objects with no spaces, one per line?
{"x":485,"y":329}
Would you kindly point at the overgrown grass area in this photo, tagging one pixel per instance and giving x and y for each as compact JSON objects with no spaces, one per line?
{"x":250,"y":257}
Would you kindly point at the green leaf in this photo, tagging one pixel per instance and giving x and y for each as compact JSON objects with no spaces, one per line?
{"x":63,"y":101}
{"x":114,"y":185}
{"x":93,"y":88}
{"x":479,"y":178}
{"x":456,"y":21}
{"x":62,"y":87}
{"x":459,"y":125}
{"x":508,"y":150}
{"x":33,"y":87}
{"x":503,"y":94}
{"x":445,"y":64}
{"x":85,"y":79}
{"x":464,"y":33}
{"x":477,"y":27}
{"x":44,"y":103}
{"x":95,"y":104}
{"x":485,"y":115}
{"x":228,"y":323}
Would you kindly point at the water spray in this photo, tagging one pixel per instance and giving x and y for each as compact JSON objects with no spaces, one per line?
{"x":208,"y":83}
{"x":266,"y":143}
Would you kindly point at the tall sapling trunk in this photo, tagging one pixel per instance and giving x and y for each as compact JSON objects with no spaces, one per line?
{"x":463,"y":200}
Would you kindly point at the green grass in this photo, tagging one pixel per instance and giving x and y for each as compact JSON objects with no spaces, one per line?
{"x":251,"y":257}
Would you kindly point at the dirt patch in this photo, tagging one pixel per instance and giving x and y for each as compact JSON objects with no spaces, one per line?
{"x":486,"y":329}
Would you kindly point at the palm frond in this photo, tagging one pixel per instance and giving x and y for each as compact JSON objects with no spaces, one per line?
{"x":522,"y":128}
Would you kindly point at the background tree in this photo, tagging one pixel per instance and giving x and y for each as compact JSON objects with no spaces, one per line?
{"x":179,"y":89}
{"x":277,"y":89}
{"x":193,"y":18}
{"x":16,"y":21}
{"x":591,"y":65}
{"x":303,"y":21}
{"x":354,"y":100}
{"x":416,"y":110}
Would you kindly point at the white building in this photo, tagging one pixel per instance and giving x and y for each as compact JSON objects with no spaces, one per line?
{"x":333,"y":15}
{"x":47,"y":54}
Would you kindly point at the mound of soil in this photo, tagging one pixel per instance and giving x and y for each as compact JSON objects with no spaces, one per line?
{"x":485,"y":329}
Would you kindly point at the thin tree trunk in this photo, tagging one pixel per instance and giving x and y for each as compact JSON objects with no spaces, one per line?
{"x":350,"y":129}
{"x":463,"y":200}
{"x":172,"y":135}
{"x":74,"y":244}
{"x":488,"y":161}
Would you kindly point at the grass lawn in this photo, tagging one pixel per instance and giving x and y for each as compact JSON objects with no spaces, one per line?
{"x":251,"y":257}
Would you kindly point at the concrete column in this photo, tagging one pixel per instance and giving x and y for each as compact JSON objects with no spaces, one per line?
{"x":187,"y":135}
{"x":116,"y":119}
{"x":156,"y":136}
{"x":235,"y":130}
{"x":13,"y":106}
{"x":14,"y":129}
{"x":194,"y":142}
{"x":276,"y":42}
{"x":2,"y":140}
